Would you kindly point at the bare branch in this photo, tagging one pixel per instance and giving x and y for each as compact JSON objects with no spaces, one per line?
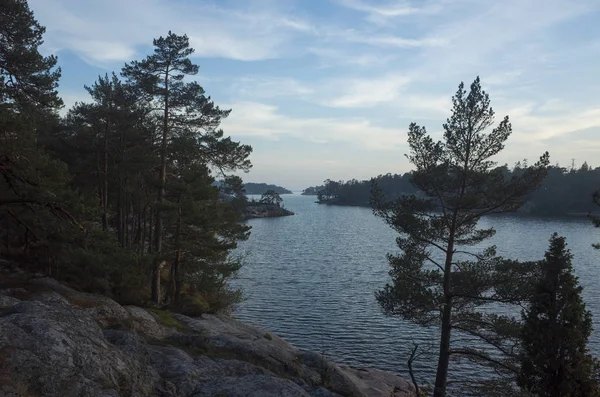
{"x":410,"y":369}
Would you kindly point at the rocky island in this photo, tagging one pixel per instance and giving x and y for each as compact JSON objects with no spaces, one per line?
{"x":264,"y":210}
{"x":56,"y":341}
{"x":268,"y":206}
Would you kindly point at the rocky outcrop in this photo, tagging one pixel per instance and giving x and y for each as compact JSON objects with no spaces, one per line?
{"x":55,"y":341}
{"x":258,"y":210}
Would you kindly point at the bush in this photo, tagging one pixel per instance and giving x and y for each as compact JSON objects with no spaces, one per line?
{"x":191,"y":305}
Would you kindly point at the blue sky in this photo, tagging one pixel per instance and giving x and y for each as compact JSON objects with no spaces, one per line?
{"x":327,"y":88}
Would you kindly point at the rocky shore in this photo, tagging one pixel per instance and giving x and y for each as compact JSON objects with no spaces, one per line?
{"x":259,"y":210}
{"x":55,"y":341}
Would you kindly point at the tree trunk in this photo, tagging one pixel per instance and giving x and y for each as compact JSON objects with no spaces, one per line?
{"x":161,"y":195}
{"x":143,"y":226}
{"x":441,"y":376}
{"x":150,"y":235}
{"x":105,"y":178}
{"x":99,"y":182}
{"x":121,"y":228}
{"x":127,"y":238}
{"x":138,"y":225}
{"x":174,"y":284}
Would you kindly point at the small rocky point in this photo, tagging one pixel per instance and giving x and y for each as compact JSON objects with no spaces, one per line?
{"x":258,"y":210}
{"x":55,"y":341}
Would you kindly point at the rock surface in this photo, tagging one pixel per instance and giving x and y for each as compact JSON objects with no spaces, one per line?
{"x":257,"y":210}
{"x":55,"y":341}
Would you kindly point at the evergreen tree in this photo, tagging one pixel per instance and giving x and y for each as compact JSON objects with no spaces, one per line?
{"x":160,"y":76}
{"x":187,"y":115}
{"x":35,"y":200}
{"x":28,"y":80}
{"x":437,"y":280}
{"x":556,"y":329}
{"x":271,"y":197}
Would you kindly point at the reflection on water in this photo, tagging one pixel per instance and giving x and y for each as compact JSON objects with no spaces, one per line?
{"x":311,"y":279}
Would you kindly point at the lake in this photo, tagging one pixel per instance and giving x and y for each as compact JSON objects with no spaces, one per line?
{"x":311,"y":278}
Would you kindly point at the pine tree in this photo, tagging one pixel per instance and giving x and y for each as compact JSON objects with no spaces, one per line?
{"x":437,"y":280}
{"x":27,"y":79}
{"x":160,"y":76}
{"x":34,"y":193}
{"x":186,"y":115}
{"x":556,"y":329}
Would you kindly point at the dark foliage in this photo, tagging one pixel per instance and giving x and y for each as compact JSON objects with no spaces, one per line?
{"x":117,"y":197}
{"x":261,"y":188}
{"x":271,"y":197}
{"x":439,"y":279}
{"x":563,"y":191}
{"x":556,"y":329}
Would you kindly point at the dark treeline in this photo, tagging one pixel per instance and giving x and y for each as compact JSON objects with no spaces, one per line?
{"x":262,"y":188}
{"x":252,"y":188}
{"x":312,"y":191}
{"x":355,"y":192}
{"x":564,"y":191}
{"x":116,"y":197}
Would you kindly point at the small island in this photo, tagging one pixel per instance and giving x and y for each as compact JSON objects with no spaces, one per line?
{"x":261,"y":188}
{"x":269,"y":206}
{"x":312,"y":190}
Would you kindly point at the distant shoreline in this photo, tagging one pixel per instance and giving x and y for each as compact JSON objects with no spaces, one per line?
{"x":517,"y":213}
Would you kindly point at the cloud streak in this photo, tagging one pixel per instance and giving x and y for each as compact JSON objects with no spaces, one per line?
{"x":355,"y":73}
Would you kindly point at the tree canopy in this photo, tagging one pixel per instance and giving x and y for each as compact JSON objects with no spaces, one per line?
{"x":564,"y":191}
{"x":438,"y":279}
{"x":271,"y":197}
{"x":117,"y":196}
{"x":555,"y":360}
{"x":260,"y":188}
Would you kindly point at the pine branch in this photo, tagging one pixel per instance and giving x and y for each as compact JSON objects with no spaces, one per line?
{"x":482,"y":356}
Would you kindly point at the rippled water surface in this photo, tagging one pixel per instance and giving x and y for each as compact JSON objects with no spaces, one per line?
{"x":311,"y":278}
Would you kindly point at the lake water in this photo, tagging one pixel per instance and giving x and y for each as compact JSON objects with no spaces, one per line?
{"x":311,"y":278}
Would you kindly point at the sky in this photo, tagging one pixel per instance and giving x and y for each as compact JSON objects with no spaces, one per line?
{"x":327,"y":88}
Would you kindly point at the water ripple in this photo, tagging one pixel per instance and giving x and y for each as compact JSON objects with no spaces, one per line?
{"x":311,"y":278}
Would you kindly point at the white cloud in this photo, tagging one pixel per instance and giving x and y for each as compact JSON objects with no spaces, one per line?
{"x":71,"y":98}
{"x":337,"y":57}
{"x":393,"y":8}
{"x":355,"y":93}
{"x":112,"y":30}
{"x":270,"y":87}
{"x":391,"y":40}
{"x":388,"y":63}
{"x":266,"y":121}
{"x":531,"y":127}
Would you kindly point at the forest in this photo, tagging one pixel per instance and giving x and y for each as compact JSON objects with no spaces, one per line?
{"x":564,"y":191}
{"x":261,"y":188}
{"x":116,"y":196}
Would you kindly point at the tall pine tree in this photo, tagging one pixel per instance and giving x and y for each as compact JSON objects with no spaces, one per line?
{"x":438,"y":280}
{"x":33,"y":186}
{"x":186,"y":114}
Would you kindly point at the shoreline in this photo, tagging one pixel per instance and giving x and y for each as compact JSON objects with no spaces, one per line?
{"x":56,"y":339}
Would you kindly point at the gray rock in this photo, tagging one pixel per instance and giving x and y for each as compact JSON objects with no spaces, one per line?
{"x":55,"y":350}
{"x":231,"y":338}
{"x":250,"y":386}
{"x":375,"y":383}
{"x":145,"y":323}
{"x":62,"y":342}
{"x":6,"y":302}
